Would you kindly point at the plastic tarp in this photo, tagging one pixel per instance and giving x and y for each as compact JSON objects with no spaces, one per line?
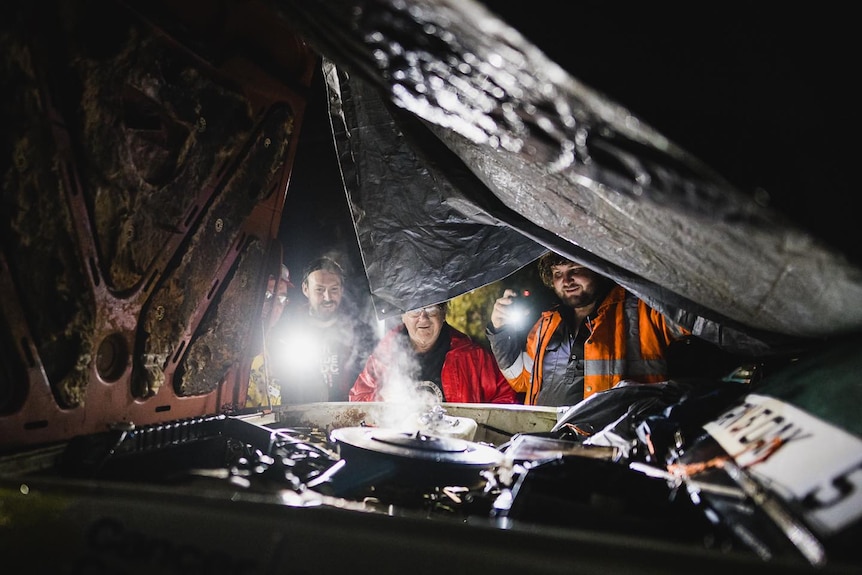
{"x":422,"y":239}
{"x":456,"y":134}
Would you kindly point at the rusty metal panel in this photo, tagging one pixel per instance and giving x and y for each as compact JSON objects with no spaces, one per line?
{"x":146,"y":152}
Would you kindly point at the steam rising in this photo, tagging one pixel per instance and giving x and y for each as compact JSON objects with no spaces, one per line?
{"x":415,"y":405}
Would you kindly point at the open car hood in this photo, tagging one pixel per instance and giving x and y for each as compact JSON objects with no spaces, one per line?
{"x":145,"y":174}
{"x":146,"y":155}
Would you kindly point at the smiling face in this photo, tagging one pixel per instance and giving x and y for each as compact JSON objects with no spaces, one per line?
{"x":424,"y":326}
{"x":577,"y":286}
{"x":324,"y":290}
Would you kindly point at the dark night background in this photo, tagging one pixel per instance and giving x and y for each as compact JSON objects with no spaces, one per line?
{"x":316,"y":219}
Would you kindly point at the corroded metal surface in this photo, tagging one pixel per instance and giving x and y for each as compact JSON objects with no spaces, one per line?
{"x":145,"y":159}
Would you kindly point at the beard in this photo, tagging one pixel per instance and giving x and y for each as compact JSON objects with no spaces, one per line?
{"x":578,"y":300}
{"x":324,"y":312}
{"x":586,"y":296}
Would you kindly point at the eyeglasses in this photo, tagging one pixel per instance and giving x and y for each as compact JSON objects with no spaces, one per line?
{"x":281,"y":297}
{"x":431,"y":311}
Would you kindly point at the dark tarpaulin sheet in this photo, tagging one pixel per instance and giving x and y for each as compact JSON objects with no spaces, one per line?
{"x":417,"y":247}
{"x":429,"y":230}
{"x":573,"y":170}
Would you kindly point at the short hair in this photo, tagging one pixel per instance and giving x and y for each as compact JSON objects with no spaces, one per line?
{"x":546,"y":262}
{"x":324,"y":263}
{"x":444,"y":307}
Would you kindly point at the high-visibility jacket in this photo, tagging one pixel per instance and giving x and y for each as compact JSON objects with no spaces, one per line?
{"x":627,"y":340}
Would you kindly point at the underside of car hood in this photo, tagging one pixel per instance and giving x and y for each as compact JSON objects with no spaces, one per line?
{"x":144,"y":170}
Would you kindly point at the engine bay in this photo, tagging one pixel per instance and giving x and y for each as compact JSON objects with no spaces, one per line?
{"x":429,"y":471}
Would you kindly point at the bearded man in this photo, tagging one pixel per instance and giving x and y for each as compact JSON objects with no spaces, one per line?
{"x":595,"y":336}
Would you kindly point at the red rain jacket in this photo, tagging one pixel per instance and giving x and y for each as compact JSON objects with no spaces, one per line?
{"x":470,"y":373}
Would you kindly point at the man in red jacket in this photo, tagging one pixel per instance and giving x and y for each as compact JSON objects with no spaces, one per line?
{"x":425,"y":356}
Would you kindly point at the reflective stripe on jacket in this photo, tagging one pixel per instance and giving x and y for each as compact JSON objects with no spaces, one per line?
{"x":627,"y":340}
